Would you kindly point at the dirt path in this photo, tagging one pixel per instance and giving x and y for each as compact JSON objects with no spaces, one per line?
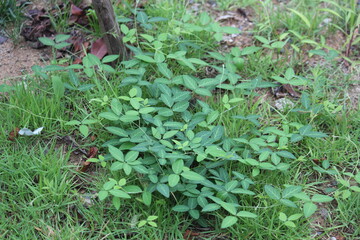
{"x":18,"y":60}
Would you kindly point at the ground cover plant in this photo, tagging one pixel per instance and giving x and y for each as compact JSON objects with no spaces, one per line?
{"x":192,"y":137}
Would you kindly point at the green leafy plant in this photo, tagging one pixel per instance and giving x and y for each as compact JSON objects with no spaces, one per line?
{"x":58,"y":43}
{"x":149,"y":221}
{"x":83,"y":125}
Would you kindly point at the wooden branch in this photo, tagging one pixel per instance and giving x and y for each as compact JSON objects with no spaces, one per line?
{"x":110,"y":28}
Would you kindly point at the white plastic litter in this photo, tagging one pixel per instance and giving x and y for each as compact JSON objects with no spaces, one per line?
{"x":28,"y":132}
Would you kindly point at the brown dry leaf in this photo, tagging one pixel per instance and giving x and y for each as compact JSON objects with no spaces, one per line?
{"x":13,"y":134}
{"x":189,"y":235}
{"x":38,"y":229}
{"x":99,"y":48}
{"x":291,"y":91}
{"x":78,"y":15}
{"x":93,"y":138}
{"x":76,"y":10}
{"x":92,"y":154}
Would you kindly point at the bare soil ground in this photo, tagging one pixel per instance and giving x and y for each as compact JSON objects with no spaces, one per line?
{"x":16,"y":60}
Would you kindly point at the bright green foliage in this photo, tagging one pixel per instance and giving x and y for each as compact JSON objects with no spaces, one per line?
{"x":179,"y":153}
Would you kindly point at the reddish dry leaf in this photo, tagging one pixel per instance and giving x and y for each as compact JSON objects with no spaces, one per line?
{"x":291,"y":91}
{"x":77,"y":61}
{"x":92,"y":154}
{"x":189,"y":235}
{"x":93,"y":138}
{"x":13,"y":134}
{"x":76,"y":11}
{"x":98,"y":48}
{"x":78,"y":15}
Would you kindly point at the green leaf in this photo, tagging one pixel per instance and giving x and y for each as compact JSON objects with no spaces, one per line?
{"x":250,"y":50}
{"x":46,"y":41}
{"x":116,"y":153}
{"x":109,"y":116}
{"x":321,"y":198}
{"x":146,"y":197}
{"x":246,"y":214}
{"x":215,"y":151}
{"x":61,"y":38}
{"x":296,"y":138}
{"x":295,"y":217}
{"x":102,"y":195}
{"x":119,"y":193}
{"x":84,"y":130}
{"x":204,"y":18}
{"x":131,"y":156}
{"x":302,"y":16}
{"x":116,"y":166}
{"x":116,"y":202}
{"x":116,"y":106}
{"x":288,"y":203}
{"x":262,"y":40}
{"x":304,"y":130}
{"x":164,"y":70}
{"x":181,"y":208}
{"x":129,"y":118}
{"x":228,"y":221}
{"x":163,"y":189}
{"x":145,"y":58}
{"x":146,"y":110}
{"x":231,"y":185}
{"x":141,"y":223}
{"x":210,"y":207}
{"x":282,"y":216}
{"x":110,"y":58}
{"x":170,"y":134}
{"x":203,"y":92}
{"x":194,"y":213}
{"x":309,"y":209}
{"x":180,"y":106}
{"x":272,"y":192}
{"x":72,"y":123}
{"x":286,"y":154}
{"x":316,"y":135}
{"x":61,"y":45}
{"x":242,"y":191}
{"x":117,"y":131}
{"x":290,"y":224}
{"x":167,"y":99}
{"x":230,"y":207}
{"x":212,"y":116}
{"x":197,"y":61}
{"x":178,"y":166}
{"x":189,"y":82}
{"x":142,"y":17}
{"x":278,"y":44}
{"x":290,"y":191}
{"x":173,"y":180}
{"x":181,"y":96}
{"x":193,"y":176}
{"x":132,"y":189}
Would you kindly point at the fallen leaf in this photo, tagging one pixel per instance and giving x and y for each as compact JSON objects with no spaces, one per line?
{"x":98,"y":48}
{"x":76,"y":10}
{"x":13,"y":134}
{"x":188,"y":235}
{"x":93,"y":138}
{"x":291,"y":91}
{"x":93,"y":151}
